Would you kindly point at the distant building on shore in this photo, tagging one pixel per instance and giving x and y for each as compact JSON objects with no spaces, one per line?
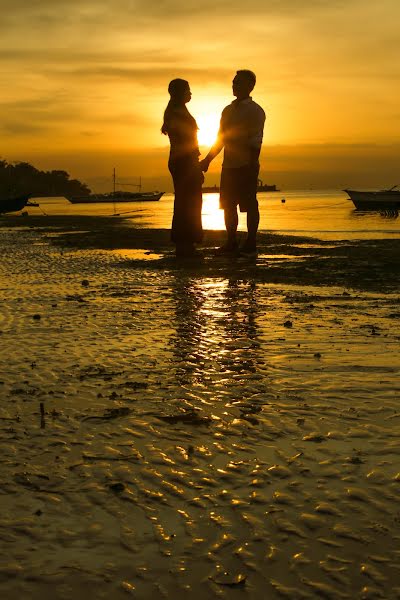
{"x":262,"y":187}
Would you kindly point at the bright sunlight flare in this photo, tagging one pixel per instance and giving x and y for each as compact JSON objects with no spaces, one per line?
{"x":208,"y":128}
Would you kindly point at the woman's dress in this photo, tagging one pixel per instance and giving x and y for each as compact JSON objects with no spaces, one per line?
{"x":187,"y":178}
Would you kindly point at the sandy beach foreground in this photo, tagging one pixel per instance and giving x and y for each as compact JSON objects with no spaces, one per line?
{"x":209,"y":428}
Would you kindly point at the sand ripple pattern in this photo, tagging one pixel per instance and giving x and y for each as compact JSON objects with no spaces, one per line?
{"x":166,"y":434}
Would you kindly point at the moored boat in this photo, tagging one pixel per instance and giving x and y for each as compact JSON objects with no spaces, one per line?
{"x":114,"y":197}
{"x":117,"y":195}
{"x":378,"y":200}
{"x":13,"y":204}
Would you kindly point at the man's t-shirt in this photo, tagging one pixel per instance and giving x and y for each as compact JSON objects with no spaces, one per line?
{"x":241,"y":130}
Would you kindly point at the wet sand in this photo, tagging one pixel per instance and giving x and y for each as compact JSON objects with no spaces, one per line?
{"x":209,"y":428}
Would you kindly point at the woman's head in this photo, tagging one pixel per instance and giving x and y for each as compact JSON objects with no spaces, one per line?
{"x":179,"y":91}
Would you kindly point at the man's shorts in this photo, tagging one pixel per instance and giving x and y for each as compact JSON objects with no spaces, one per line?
{"x":239,"y":187}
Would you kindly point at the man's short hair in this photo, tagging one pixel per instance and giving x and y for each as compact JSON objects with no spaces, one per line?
{"x":249,"y":75}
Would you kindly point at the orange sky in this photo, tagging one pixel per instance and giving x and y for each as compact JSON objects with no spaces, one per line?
{"x":84,"y":84}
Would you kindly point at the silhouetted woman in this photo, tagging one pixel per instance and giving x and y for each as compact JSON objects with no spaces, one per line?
{"x":183,"y":164}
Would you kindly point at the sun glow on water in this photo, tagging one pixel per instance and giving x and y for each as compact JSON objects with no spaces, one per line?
{"x":212,"y":217}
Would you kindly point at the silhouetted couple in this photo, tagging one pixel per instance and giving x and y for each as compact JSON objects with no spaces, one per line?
{"x":240,"y":134}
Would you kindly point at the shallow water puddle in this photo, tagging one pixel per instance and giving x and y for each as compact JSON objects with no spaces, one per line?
{"x":137,"y":254}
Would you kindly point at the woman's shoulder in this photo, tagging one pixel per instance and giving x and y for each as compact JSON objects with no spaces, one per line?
{"x":183,"y":120}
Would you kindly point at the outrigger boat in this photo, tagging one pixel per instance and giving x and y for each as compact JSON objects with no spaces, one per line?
{"x":380,"y":200}
{"x":117,"y":196}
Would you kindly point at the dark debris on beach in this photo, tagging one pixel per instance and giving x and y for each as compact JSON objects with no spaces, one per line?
{"x":371,"y":265}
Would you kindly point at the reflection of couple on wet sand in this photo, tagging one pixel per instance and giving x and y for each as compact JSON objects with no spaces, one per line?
{"x":216,"y":331}
{"x":240,"y":134}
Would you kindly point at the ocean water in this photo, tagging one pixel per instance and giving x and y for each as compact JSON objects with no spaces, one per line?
{"x":324,"y":214}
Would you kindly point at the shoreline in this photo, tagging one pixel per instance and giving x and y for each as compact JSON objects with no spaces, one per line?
{"x":357,"y":264}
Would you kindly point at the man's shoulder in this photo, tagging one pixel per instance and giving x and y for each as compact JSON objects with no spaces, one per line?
{"x":228,"y":107}
{"x":257,"y":108}
{"x":248,"y":106}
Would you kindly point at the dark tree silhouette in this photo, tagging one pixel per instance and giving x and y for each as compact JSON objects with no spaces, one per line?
{"x":22,"y":178}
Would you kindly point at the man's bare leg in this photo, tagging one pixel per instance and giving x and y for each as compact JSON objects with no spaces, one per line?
{"x":231,"y":224}
{"x":253,"y":220}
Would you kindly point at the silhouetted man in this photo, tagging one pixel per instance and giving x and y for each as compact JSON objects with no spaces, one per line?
{"x":240,"y":134}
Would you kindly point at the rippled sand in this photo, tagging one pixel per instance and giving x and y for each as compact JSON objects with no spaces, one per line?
{"x":203,"y":429}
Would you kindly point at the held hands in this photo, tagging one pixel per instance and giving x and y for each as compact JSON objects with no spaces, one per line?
{"x":199,"y":173}
{"x":204,"y":164}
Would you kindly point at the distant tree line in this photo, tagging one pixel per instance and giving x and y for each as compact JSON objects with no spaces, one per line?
{"x":22,"y":178}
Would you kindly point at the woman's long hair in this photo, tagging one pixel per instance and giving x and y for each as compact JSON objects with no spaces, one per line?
{"x":177,"y":89}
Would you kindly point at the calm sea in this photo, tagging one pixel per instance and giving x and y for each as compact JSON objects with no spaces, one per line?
{"x":325,"y":214}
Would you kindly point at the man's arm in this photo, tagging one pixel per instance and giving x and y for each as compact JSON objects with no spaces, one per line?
{"x":256,"y":138}
{"x":216,"y":149}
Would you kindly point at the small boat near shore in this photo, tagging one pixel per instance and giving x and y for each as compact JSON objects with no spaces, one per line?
{"x":378,"y":200}
{"x":8,"y":205}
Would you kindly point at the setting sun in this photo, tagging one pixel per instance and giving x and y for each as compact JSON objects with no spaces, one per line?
{"x":208,"y":129}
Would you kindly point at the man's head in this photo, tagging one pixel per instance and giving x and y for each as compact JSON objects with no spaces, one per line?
{"x":243,"y":83}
